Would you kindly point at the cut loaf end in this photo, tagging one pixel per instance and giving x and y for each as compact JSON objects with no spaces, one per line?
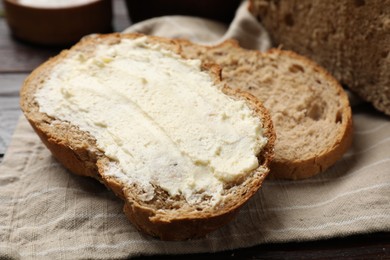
{"x":67,"y":103}
{"x":348,"y":38}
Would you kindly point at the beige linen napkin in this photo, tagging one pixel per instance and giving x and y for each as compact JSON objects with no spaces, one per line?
{"x":244,"y":28}
{"x":48,"y":213}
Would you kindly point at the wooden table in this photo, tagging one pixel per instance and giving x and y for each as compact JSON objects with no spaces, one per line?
{"x":18,"y":59}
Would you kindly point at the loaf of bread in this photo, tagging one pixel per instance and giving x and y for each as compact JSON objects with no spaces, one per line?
{"x":309,"y":109}
{"x":178,"y":146}
{"x":351,"y":39}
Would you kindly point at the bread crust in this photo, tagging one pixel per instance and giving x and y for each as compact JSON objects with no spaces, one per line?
{"x":83,"y":157}
{"x":282,"y":167}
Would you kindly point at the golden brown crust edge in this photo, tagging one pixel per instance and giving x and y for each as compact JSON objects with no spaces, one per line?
{"x":80,"y":162}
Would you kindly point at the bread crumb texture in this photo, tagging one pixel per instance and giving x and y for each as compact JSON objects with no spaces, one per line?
{"x":309,"y":109}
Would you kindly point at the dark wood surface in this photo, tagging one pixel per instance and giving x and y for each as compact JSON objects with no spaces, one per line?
{"x":18,"y":59}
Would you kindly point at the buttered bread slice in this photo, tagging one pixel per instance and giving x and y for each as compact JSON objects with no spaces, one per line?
{"x":181,"y":149}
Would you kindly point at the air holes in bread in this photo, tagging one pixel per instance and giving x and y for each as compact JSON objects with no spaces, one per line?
{"x":296,"y":68}
{"x":315,"y":112}
{"x":339,"y":118}
{"x":288,"y":19}
{"x":359,"y":3}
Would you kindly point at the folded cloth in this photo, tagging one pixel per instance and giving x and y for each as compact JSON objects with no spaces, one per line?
{"x":48,"y":213}
{"x":244,"y":28}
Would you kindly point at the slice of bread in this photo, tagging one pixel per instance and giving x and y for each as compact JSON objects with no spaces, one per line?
{"x":309,"y":109}
{"x":348,"y":38}
{"x":76,"y":99}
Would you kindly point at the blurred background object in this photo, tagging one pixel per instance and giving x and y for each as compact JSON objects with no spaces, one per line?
{"x":220,"y":10}
{"x":57,"y":22}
